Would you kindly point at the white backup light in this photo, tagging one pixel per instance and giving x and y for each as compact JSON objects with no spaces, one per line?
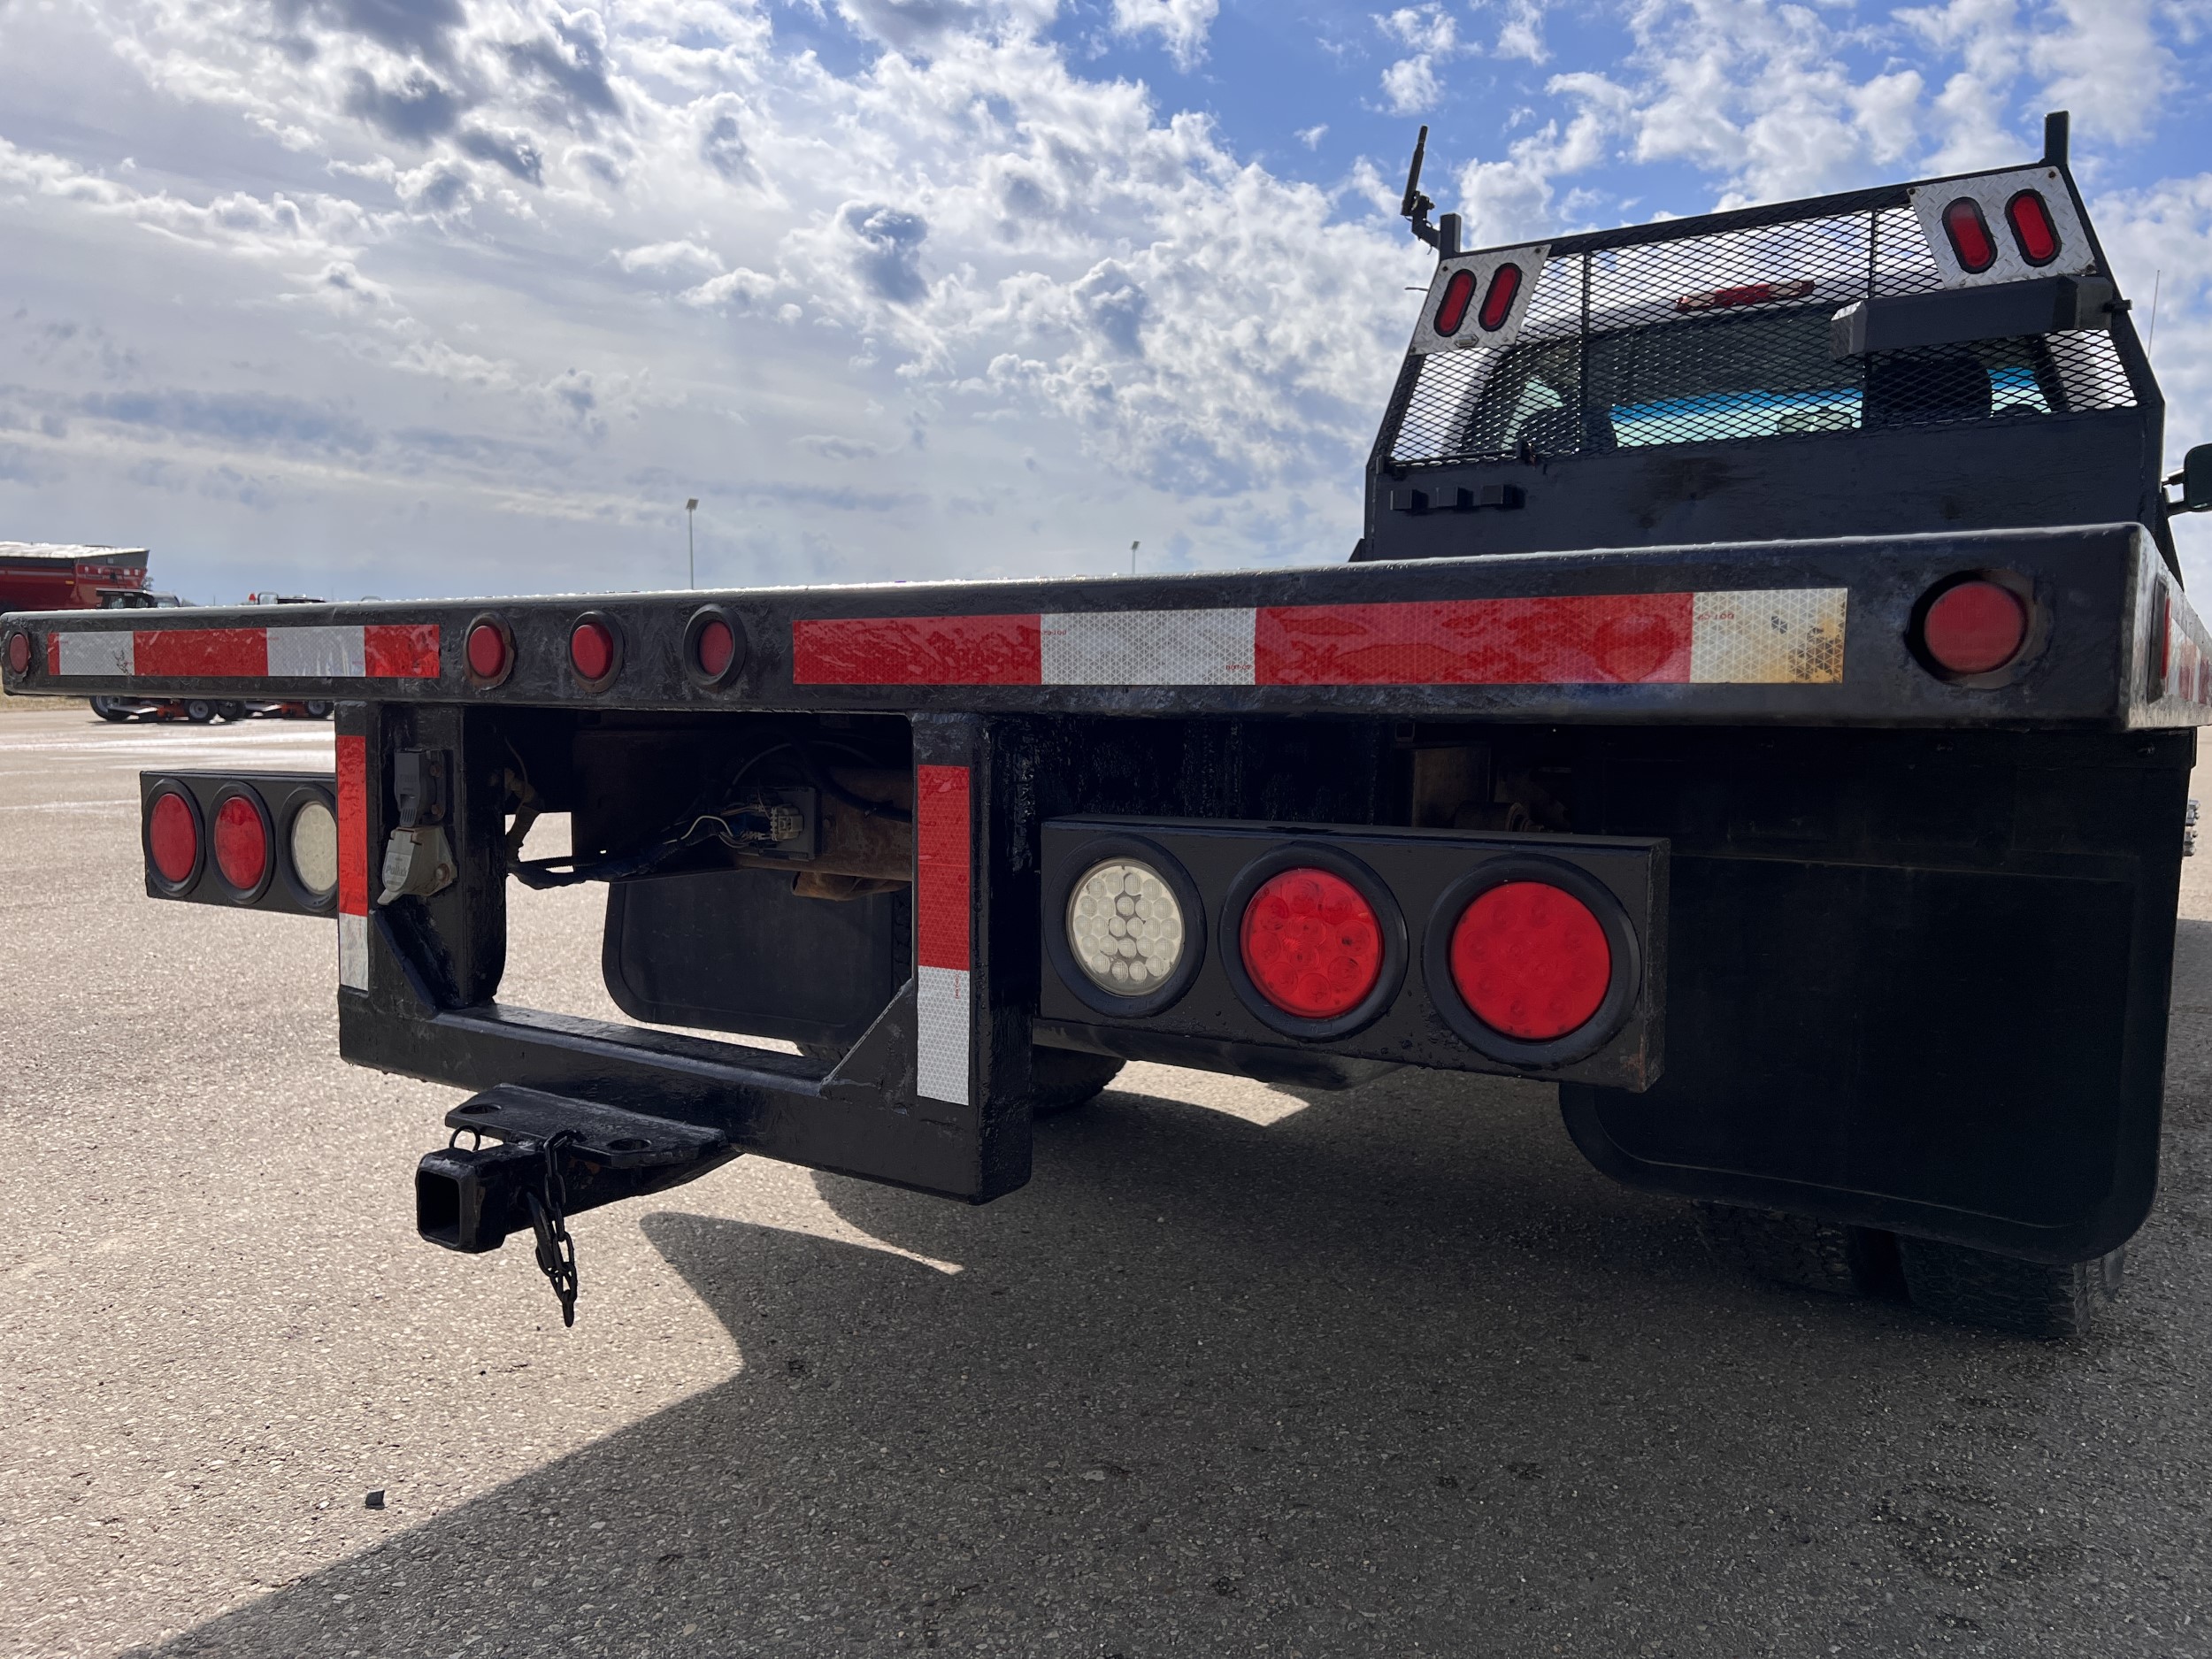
{"x":315,"y":848}
{"x":1126,"y":927}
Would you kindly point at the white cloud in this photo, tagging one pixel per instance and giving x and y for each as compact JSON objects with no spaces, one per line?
{"x":1411,"y":85}
{"x":546,"y":262}
{"x":1182,"y":24}
{"x":1522,"y":34}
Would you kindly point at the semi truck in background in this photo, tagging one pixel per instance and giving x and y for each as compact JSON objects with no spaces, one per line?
{"x":1761,"y":706}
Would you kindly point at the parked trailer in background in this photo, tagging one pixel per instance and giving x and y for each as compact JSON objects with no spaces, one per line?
{"x":48,"y":576}
{"x":1761,"y":705}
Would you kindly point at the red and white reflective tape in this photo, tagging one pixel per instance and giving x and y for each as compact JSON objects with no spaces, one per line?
{"x":942,"y":889}
{"x":386,"y":650}
{"x":1760,"y":636}
{"x":353,"y":861}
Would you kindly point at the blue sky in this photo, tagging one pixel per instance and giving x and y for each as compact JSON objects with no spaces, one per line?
{"x":445,"y":296}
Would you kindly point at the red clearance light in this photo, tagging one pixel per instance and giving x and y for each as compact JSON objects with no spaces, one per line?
{"x":716,"y":646}
{"x":1451,"y":311}
{"x":1531,"y":961}
{"x":591,"y":649}
{"x":2032,"y":230}
{"x":242,"y":843}
{"x":18,"y":653}
{"x":1975,"y":628}
{"x":1755,"y":294}
{"x":1312,"y":943}
{"x":487,"y":652}
{"x":172,"y":839}
{"x":1497,"y":300}
{"x":1971,"y":244}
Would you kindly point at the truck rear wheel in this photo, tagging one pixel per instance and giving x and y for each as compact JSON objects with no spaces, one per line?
{"x":107,"y":708}
{"x":2001,"y":1293}
{"x":1800,"y":1250}
{"x":1067,"y":1078}
{"x":1061,"y":1079}
{"x":198,"y":712}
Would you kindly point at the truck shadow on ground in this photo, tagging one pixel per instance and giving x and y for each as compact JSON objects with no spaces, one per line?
{"x":1396,"y":1374}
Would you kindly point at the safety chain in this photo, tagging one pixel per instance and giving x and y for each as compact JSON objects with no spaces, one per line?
{"x":556,"y":1251}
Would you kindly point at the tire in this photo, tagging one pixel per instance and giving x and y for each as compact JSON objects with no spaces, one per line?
{"x":2001,"y":1293}
{"x":1065,"y":1079}
{"x":104,"y":707}
{"x":317,"y":711}
{"x":230,"y":710}
{"x":1800,"y":1250}
{"x":199,"y":713}
{"x":1061,"y":1078}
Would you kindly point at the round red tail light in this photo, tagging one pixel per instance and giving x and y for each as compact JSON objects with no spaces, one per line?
{"x":172,"y":839}
{"x":718,"y":645}
{"x":242,"y":844}
{"x":2032,"y":230}
{"x":591,"y":649}
{"x":1967,"y":232}
{"x":1451,"y":311}
{"x":1497,"y":301}
{"x":1312,"y":943}
{"x":18,"y":653}
{"x":487,"y":652}
{"x":1531,"y":961}
{"x":1975,"y":628}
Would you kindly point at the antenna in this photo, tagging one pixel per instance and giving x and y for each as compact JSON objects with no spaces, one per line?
{"x":1415,"y":208}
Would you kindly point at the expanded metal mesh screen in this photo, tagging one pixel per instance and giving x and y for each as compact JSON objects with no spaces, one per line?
{"x":1725,"y":336}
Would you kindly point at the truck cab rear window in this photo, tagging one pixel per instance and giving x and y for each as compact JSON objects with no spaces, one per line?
{"x":1758,"y":376}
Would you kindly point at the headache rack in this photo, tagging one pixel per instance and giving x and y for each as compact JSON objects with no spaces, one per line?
{"x":1716,"y":329}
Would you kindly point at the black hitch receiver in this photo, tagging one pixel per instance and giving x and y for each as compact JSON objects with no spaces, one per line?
{"x":471,"y":1198}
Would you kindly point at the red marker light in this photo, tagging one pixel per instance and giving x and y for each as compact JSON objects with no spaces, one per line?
{"x":1451,"y":311}
{"x":1497,"y":300}
{"x":1312,"y":943}
{"x":18,"y":653}
{"x":1755,"y":294}
{"x":1971,"y":244}
{"x":487,"y":652}
{"x":242,"y":843}
{"x":591,"y":649}
{"x":172,"y":839}
{"x":1975,"y":628}
{"x":1531,"y":961}
{"x":2033,"y":229}
{"x":717,"y":647}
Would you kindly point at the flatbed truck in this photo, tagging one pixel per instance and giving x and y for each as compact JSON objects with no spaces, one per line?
{"x":1761,"y":705}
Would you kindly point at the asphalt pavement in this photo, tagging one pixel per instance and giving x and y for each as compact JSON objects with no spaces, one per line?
{"x":1242,"y":1370}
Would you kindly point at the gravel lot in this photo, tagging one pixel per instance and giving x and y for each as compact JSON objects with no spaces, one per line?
{"x":1241,"y":1371}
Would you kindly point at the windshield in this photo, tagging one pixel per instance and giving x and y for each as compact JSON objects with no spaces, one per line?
{"x":1759,"y":374}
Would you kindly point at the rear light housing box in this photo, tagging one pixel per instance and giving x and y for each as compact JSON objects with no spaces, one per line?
{"x":1428,"y":876}
{"x":281,"y":796}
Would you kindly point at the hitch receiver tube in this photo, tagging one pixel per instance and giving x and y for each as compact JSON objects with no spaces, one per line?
{"x":469,"y":1198}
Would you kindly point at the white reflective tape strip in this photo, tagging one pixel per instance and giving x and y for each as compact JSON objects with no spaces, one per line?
{"x":1788,"y":637}
{"x":940,"y":998}
{"x":105,"y":654}
{"x":1146,"y":647}
{"x":316,"y":653}
{"x":353,"y":952}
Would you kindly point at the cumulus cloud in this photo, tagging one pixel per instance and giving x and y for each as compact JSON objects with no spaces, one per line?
{"x":1411,"y":85}
{"x":1182,"y":24}
{"x":568,"y":263}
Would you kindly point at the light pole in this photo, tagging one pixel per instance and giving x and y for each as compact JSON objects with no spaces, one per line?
{"x":691,"y":541}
